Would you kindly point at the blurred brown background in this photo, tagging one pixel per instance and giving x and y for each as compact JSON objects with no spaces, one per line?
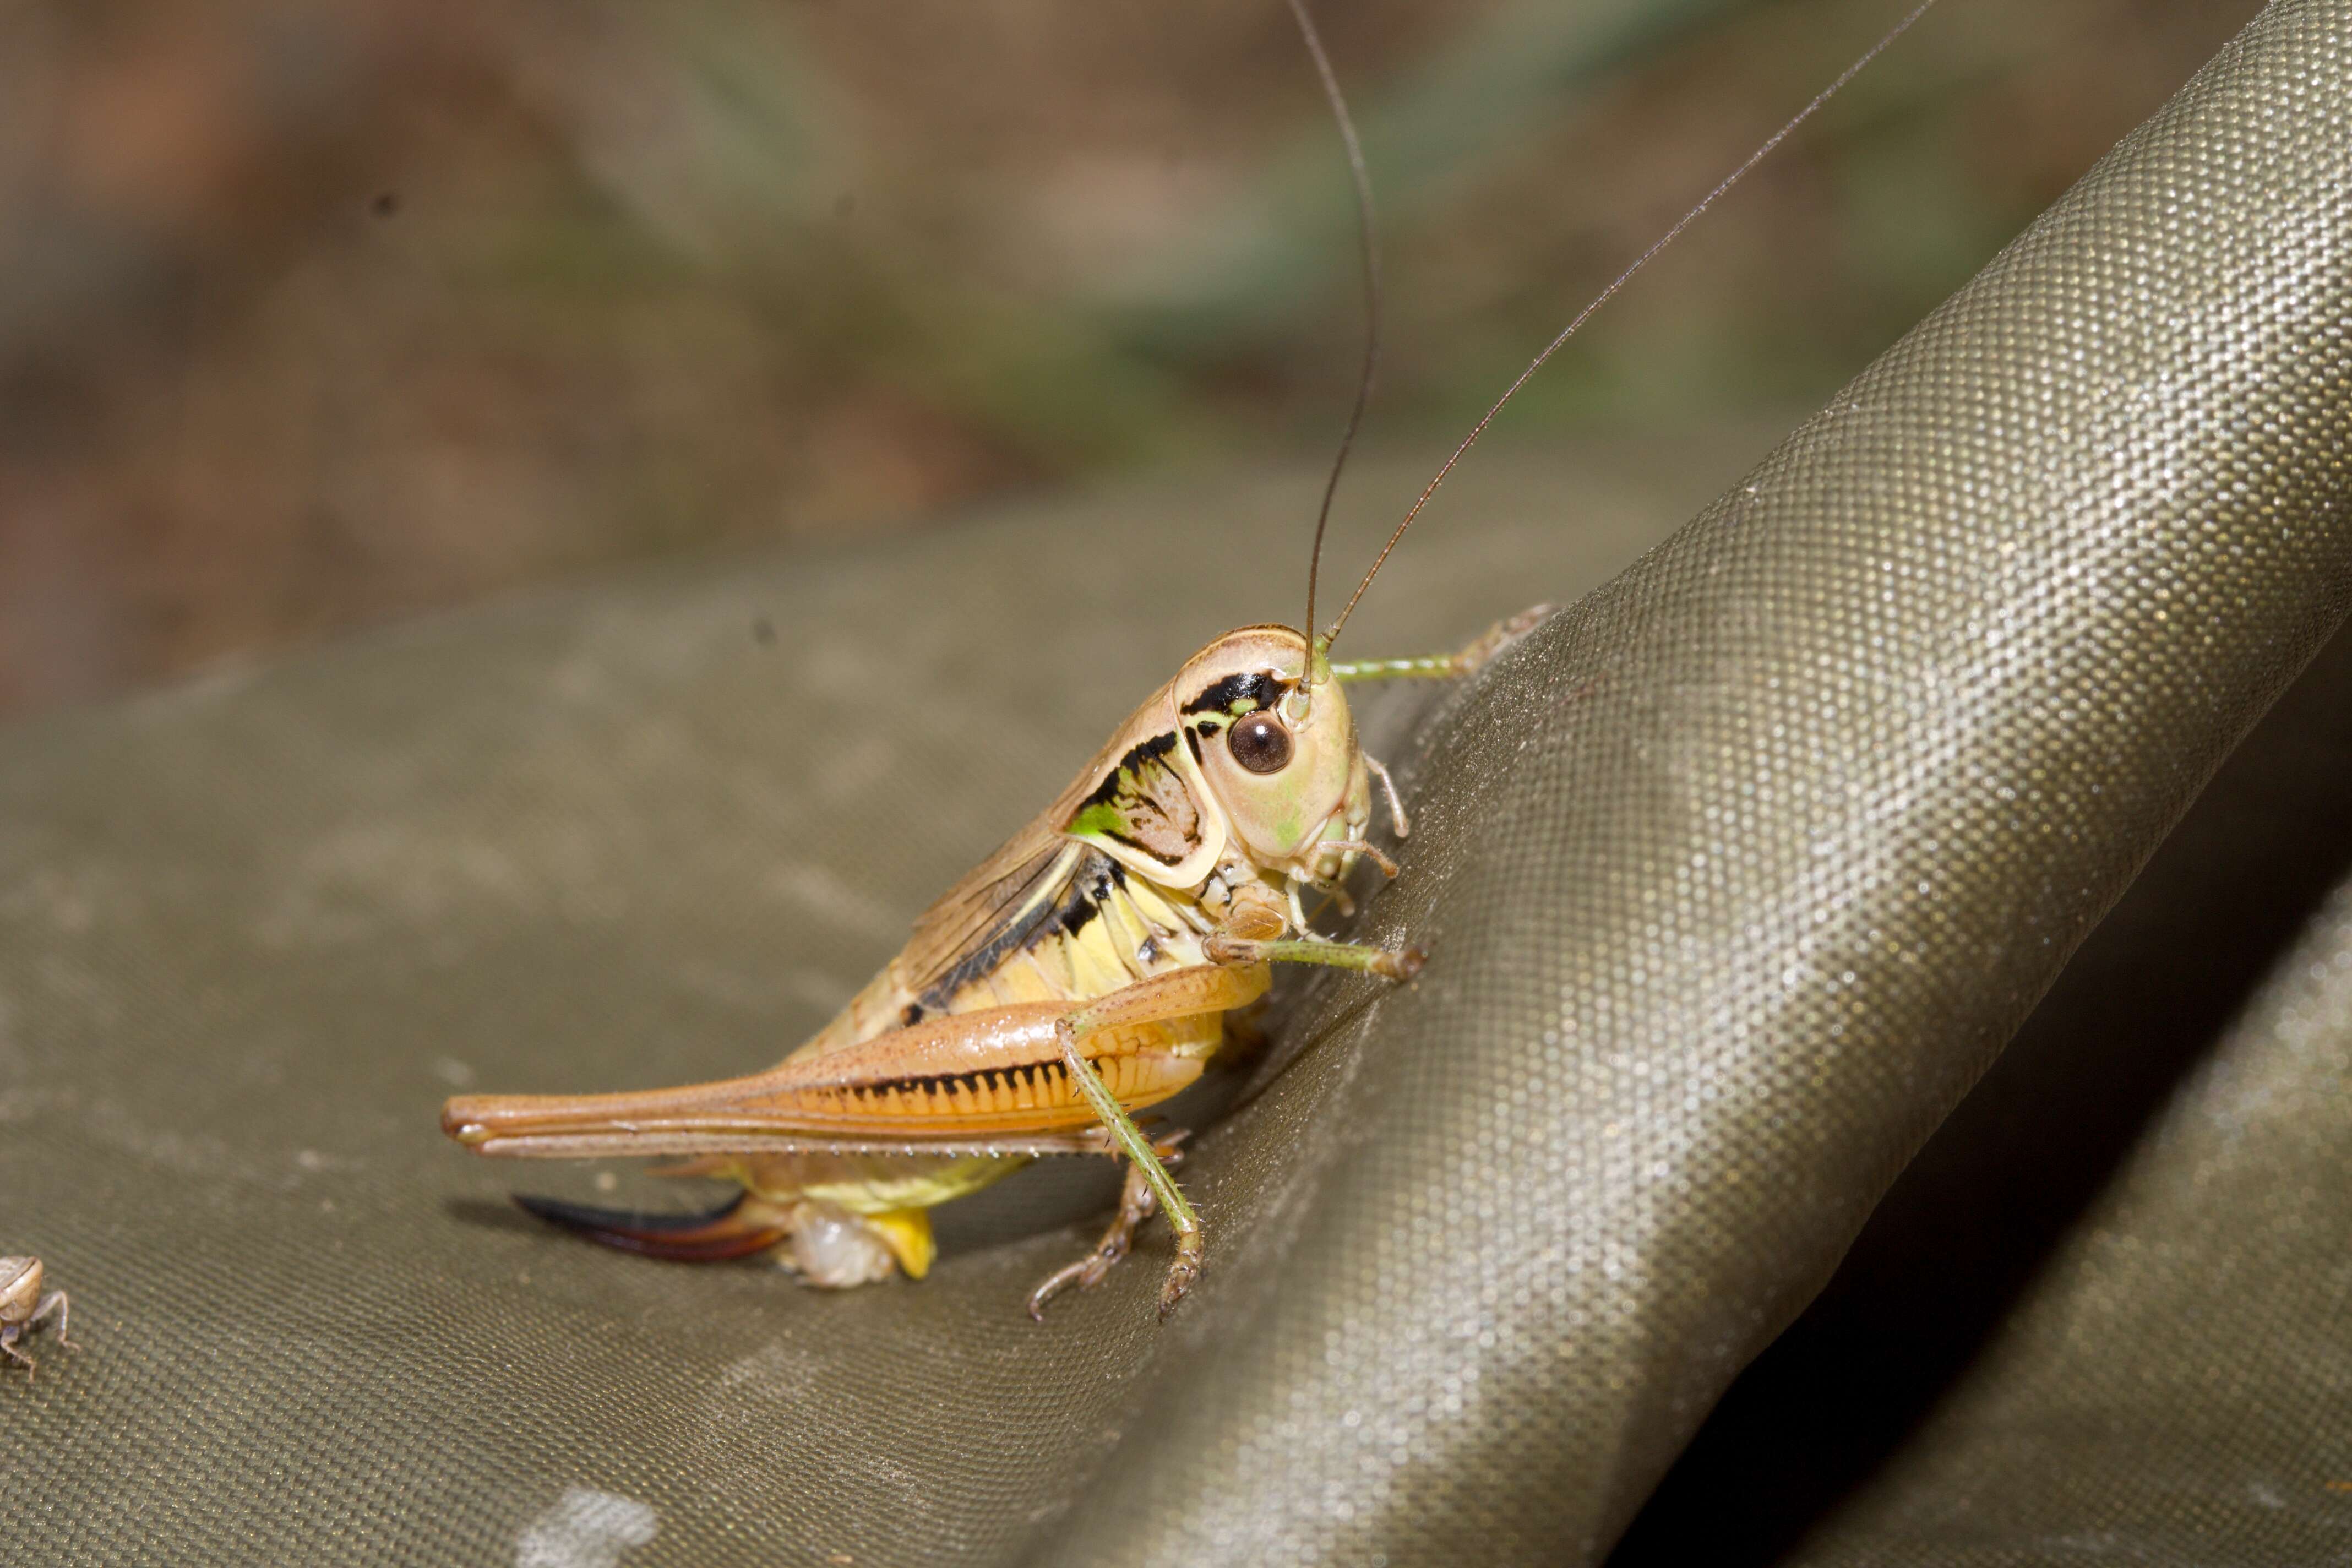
{"x":314,"y":312}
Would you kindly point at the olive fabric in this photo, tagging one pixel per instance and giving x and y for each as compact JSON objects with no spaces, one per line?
{"x":2121,"y":1265}
{"x":1738,"y":874}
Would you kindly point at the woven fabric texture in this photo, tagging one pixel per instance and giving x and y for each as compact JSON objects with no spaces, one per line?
{"x":1739,"y":875}
{"x":1776,"y":841}
{"x":2144,"y":1191}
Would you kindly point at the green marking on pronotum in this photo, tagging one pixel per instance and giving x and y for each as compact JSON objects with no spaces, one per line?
{"x":1101,"y":817}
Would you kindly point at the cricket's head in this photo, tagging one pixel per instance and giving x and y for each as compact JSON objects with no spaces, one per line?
{"x":1280,"y":758}
{"x":20,"y":1287}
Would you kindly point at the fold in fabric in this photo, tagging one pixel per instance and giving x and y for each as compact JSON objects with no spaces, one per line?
{"x":1742,"y":873}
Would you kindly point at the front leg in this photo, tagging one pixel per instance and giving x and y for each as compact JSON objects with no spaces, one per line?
{"x":1446,"y":665}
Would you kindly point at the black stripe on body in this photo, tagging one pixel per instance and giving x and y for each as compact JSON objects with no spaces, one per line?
{"x":1098,"y":888}
{"x":1130,"y":767}
{"x":1090,"y":889}
{"x":1095,"y":878}
{"x":1048,"y":1080}
{"x":1240,"y":693}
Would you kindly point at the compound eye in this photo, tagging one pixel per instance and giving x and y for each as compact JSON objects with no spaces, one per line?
{"x":1259,"y":743}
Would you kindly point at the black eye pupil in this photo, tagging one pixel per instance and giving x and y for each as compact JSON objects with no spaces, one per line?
{"x":1259,"y":744}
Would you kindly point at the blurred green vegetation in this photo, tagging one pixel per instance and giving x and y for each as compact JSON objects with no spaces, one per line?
{"x":313,"y":312}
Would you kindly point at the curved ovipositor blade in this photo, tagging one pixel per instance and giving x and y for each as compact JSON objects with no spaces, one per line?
{"x":721,"y":1236}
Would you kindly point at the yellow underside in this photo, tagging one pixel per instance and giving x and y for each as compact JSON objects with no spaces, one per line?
{"x":917,"y":1183}
{"x":894,"y":1197}
{"x":907,"y":1234}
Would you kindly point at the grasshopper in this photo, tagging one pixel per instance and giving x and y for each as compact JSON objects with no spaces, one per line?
{"x":1083,"y":971}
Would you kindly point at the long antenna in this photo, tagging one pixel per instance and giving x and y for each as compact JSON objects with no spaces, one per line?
{"x":1609,"y":293}
{"x":1370,"y":247}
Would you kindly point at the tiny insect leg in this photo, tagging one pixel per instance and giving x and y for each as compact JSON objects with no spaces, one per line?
{"x":1372,"y":852}
{"x":1136,"y":1205}
{"x":1378,"y":770}
{"x":1180,"y":993}
{"x":53,"y":1305}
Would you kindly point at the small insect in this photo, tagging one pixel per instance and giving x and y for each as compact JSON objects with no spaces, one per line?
{"x":24,"y":1307}
{"x":1083,"y":971}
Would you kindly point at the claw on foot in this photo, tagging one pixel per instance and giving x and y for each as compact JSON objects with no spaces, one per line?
{"x":1136,"y":1205}
{"x":1181,"y":1275}
{"x":1401,"y":963}
{"x":1086,"y":1274}
{"x":1095,"y":1268}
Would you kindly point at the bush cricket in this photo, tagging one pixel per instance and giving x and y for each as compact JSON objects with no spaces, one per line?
{"x":1082,"y":972}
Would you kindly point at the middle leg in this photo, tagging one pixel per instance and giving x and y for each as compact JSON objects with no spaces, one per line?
{"x":1391,"y":963}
